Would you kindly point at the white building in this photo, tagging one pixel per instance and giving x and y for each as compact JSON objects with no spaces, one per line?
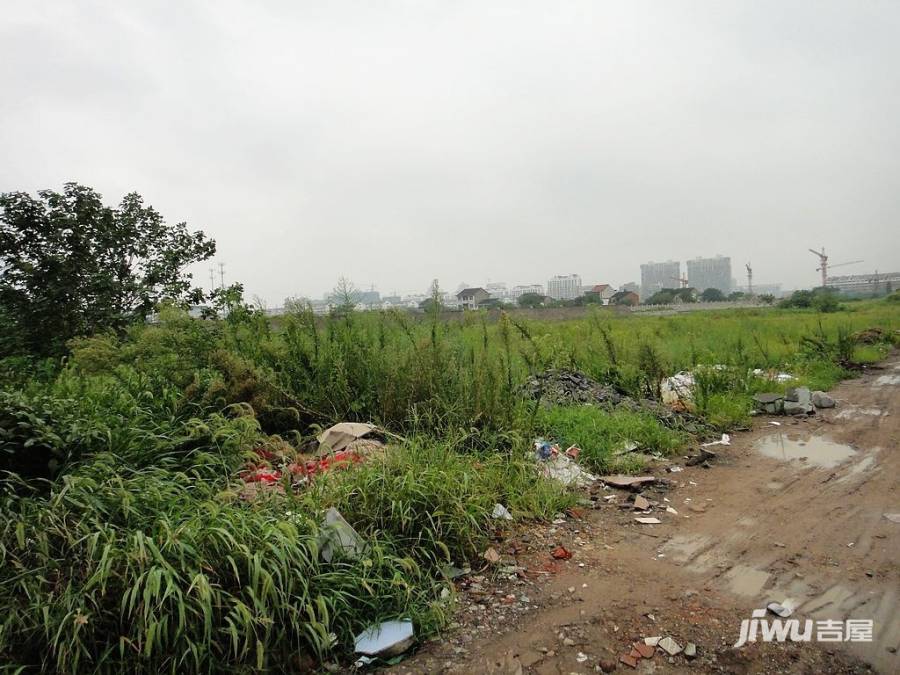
{"x":564,"y":287}
{"x":517,"y":292}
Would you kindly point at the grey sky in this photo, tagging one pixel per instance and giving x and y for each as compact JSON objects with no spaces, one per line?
{"x":395,"y":142}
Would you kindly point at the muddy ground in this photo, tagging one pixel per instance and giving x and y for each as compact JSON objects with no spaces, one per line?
{"x":794,"y":512}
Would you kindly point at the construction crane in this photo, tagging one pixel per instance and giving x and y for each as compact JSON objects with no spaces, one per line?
{"x":749,"y":279}
{"x":681,"y":280}
{"x":824,"y":266}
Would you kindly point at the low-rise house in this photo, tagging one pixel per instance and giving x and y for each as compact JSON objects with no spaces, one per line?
{"x":470,"y":298}
{"x":602,"y":291}
{"x":625,"y":298}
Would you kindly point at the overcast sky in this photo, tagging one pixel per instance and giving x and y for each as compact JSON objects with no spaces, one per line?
{"x":396,"y":142}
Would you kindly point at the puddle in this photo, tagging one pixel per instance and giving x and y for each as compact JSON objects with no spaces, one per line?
{"x":745,"y":580}
{"x":814,"y":450}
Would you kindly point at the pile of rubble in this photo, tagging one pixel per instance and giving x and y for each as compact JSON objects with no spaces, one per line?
{"x":562,"y":387}
{"x":795,"y":401}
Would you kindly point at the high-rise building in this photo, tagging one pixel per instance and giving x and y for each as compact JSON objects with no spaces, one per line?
{"x":658,"y":275}
{"x":706,"y":273}
{"x":564,"y":287}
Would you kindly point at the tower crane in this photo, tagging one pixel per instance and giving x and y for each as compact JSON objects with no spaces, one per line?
{"x":824,"y":266}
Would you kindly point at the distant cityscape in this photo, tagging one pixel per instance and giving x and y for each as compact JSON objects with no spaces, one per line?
{"x":704,"y":278}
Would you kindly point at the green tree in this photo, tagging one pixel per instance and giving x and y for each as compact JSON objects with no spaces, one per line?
{"x":70,"y":266}
{"x":712,"y":295}
{"x":531,"y":300}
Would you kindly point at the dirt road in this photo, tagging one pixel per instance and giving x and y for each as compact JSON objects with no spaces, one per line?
{"x":793,"y":513}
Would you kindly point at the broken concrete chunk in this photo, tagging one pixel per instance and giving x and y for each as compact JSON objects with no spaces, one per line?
{"x":387,"y":639}
{"x":621,"y":481}
{"x":640,"y":503}
{"x":491,"y":555}
{"x":822,"y":400}
{"x":771,"y":404}
{"x":338,"y":535}
{"x":670,"y":646}
{"x":893,"y":517}
{"x":648,"y":521}
{"x":779,"y":610}
{"x":501,"y":512}
{"x":690,"y":650}
{"x":652,"y":641}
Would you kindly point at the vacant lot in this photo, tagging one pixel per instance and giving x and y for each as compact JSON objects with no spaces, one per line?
{"x":128,"y":539}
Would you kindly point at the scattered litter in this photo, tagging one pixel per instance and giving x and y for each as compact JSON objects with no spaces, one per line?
{"x":670,"y":646}
{"x":562,"y":466}
{"x":627,"y":446}
{"x":339,"y":436}
{"x":387,"y":639}
{"x":338,"y":535}
{"x":648,"y":521}
{"x":561,"y":553}
{"x":339,"y":460}
{"x":640,"y":503}
{"x":778,"y":609}
{"x":774,"y":423}
{"x":676,"y":469}
{"x":772,"y":375}
{"x":893,"y":517}
{"x":491,"y":555}
{"x":652,"y":641}
{"x":453,"y":572}
{"x":725,"y":440}
{"x":669,"y":509}
{"x":581,"y":657}
{"x":621,"y":481}
{"x":501,"y":512}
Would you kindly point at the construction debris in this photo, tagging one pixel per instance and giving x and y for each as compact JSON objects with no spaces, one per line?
{"x":780,"y":609}
{"x":649,"y":521}
{"x":798,"y":401}
{"x":627,"y":482}
{"x":669,"y":646}
{"x":563,"y":387}
{"x":678,"y":391}
{"x":562,"y":466}
{"x":773,"y":375}
{"x":641,"y":503}
{"x":501,"y":512}
{"x":822,"y":400}
{"x":387,"y":639}
{"x":491,"y":555}
{"x":893,"y":517}
{"x":561,"y":553}
{"x":690,"y":650}
{"x":769,"y":403}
